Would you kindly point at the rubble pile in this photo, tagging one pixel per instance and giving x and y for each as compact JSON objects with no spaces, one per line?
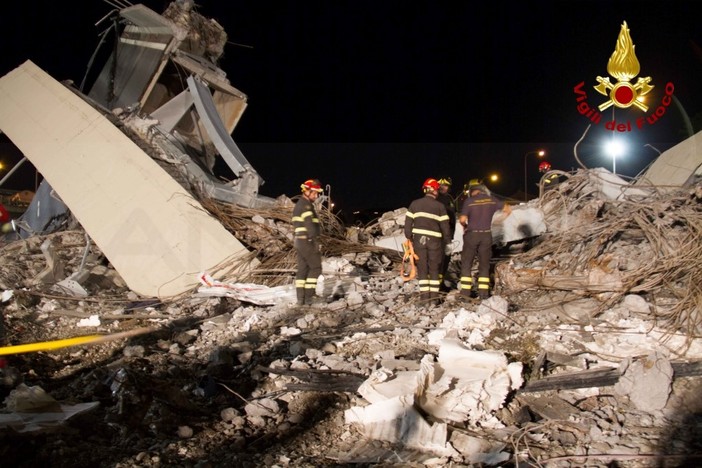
{"x":578,"y":359}
{"x":648,"y":245}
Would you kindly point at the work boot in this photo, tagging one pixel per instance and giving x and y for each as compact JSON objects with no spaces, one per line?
{"x":311,"y":297}
{"x":300,"y":296}
{"x":424,"y":298}
{"x":483,"y":295}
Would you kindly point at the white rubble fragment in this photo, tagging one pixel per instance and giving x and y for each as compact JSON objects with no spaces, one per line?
{"x":290,"y":331}
{"x":92,"y":321}
{"x":611,"y":186}
{"x":473,"y":327}
{"x":524,"y":222}
{"x":185,"y":432}
{"x":263,"y":407}
{"x":396,"y":420}
{"x":466,"y":384}
{"x":462,"y":385}
{"x":247,"y":292}
{"x":647,"y":382}
{"x":636,"y":304}
{"x":354,"y":298}
{"x":6,"y":295}
{"x":393,"y":242}
{"x":228,"y":414}
{"x":479,"y":450}
{"x":49,"y":306}
{"x":250,"y":323}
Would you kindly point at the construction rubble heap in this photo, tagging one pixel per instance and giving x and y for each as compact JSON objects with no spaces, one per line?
{"x":149,"y":315}
{"x":587,"y":353}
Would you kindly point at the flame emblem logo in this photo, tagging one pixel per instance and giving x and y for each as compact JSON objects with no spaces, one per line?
{"x":623,"y":66}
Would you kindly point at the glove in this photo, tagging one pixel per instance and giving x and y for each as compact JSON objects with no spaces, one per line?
{"x":448,"y":248}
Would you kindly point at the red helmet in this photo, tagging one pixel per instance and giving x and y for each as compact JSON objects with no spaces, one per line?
{"x":312,"y":184}
{"x":430,"y":184}
{"x":545,"y":166}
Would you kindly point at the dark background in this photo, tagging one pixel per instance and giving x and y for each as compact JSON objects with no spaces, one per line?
{"x":374,"y":97}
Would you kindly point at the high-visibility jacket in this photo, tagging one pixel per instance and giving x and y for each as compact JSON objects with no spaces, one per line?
{"x":427,"y":216}
{"x":305,"y":220}
{"x":450,"y":204}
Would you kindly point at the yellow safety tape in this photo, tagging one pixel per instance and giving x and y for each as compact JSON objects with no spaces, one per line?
{"x":79,"y":340}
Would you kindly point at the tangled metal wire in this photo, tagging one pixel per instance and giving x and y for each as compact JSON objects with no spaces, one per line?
{"x":646,"y":241}
{"x":270,"y":239}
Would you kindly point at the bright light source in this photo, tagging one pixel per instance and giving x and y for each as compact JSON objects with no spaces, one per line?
{"x":615,"y":148}
{"x":494,"y":177}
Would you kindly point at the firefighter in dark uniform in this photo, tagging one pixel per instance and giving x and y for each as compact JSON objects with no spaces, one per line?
{"x":447,"y":199}
{"x":476,"y":218}
{"x":307,"y":232}
{"x":427,"y":227}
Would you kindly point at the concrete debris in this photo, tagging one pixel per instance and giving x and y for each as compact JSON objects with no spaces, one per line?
{"x":588,"y":352}
{"x":458,"y":381}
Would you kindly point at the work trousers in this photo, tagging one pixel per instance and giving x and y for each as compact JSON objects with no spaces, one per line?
{"x":431,"y":255}
{"x":476,"y":243}
{"x":309,"y":267}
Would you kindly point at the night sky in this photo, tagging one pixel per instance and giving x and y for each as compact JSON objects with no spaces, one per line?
{"x":374,"y":97}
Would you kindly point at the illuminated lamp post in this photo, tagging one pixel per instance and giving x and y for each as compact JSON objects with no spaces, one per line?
{"x":539,"y":153}
{"x":614,"y":148}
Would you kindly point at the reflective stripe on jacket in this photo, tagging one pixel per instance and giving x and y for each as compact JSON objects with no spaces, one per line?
{"x":427,"y":216}
{"x":305,"y":220}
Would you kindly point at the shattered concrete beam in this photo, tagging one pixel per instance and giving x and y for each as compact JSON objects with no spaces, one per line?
{"x":155,"y":234}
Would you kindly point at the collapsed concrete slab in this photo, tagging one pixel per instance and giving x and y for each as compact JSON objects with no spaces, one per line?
{"x":677,"y":167}
{"x":157,"y":236}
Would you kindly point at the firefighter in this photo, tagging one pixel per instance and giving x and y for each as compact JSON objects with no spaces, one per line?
{"x":5,"y":220}
{"x":476,"y":218}
{"x":307,"y":232}
{"x":427,"y":227}
{"x":447,"y":199}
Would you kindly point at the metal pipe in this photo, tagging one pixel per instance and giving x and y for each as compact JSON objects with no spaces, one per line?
{"x":14,"y":168}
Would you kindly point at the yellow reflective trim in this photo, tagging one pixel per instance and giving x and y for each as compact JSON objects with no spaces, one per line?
{"x":301,"y":229}
{"x":300,"y":283}
{"x":483,"y":279}
{"x":483,"y":286}
{"x":423,"y":214}
{"x":297,"y":218}
{"x":306,"y":214}
{"x":426,"y":232}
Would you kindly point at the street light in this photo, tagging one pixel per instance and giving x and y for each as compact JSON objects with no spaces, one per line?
{"x":614,"y":148}
{"x":539,"y":153}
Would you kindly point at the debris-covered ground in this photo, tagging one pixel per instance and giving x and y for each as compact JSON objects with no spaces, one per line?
{"x":586,"y":355}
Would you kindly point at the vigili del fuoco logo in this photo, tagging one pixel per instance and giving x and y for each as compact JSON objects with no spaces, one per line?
{"x":623,"y":67}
